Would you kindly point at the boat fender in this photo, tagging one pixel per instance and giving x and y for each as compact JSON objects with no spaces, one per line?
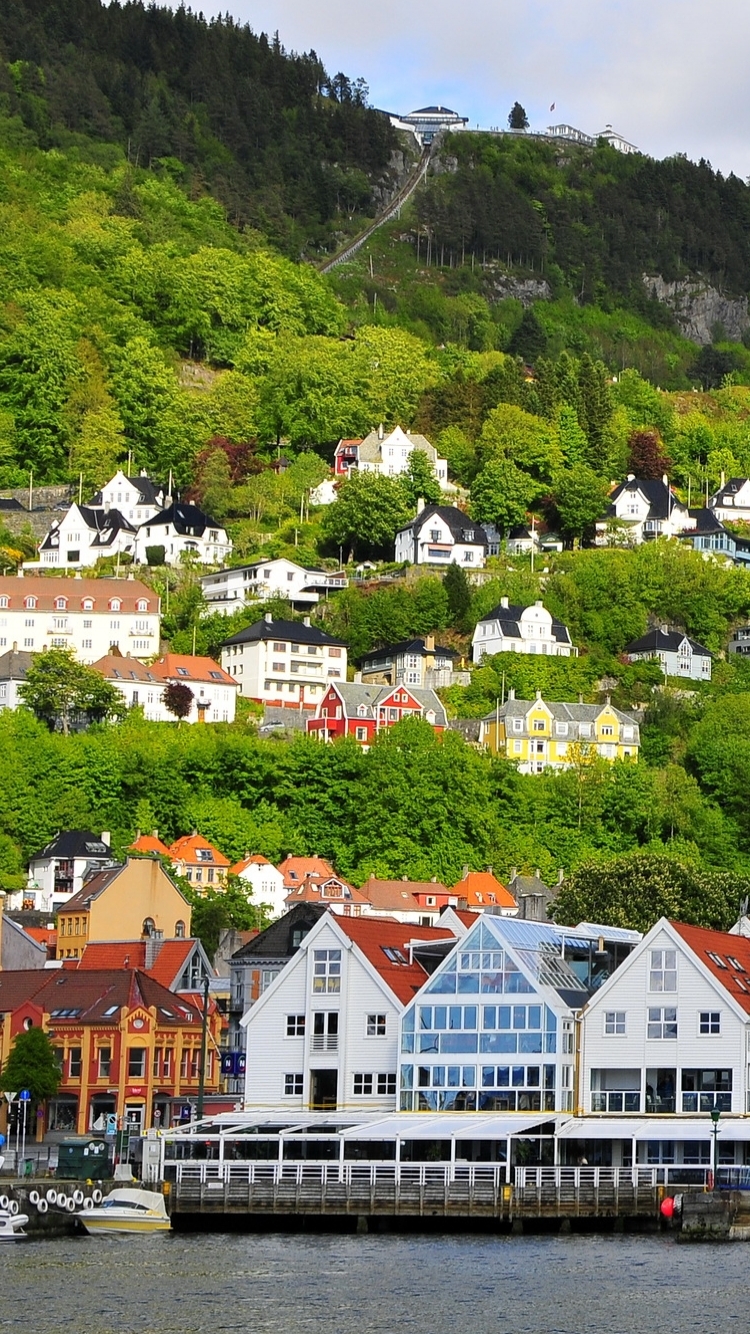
{"x":42,"y":1207}
{"x":51,"y":1196}
{"x":61,"y":1200}
{"x":78,"y":1196}
{"x":34,"y":1197}
{"x":13,"y":1207}
{"x":88,"y":1203}
{"x":70,"y":1204}
{"x":4,"y":1203}
{"x":97,"y":1196}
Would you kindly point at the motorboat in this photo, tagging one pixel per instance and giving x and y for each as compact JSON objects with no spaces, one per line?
{"x":127,"y":1209}
{"x":12,"y":1225}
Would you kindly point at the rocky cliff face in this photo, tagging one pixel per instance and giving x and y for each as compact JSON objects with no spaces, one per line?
{"x":526,"y":290}
{"x":700,"y":309}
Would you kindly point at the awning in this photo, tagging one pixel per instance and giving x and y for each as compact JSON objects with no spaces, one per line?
{"x":655,"y":1128}
{"x":444,"y":1125}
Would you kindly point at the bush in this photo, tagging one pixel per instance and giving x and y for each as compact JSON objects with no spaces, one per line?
{"x":155,"y":555}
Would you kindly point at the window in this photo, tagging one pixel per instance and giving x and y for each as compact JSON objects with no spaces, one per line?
{"x":376,"y":1024}
{"x":362,"y":1085}
{"x":709,"y":1022}
{"x":326,"y":971}
{"x":607,"y":730}
{"x":662,"y":1023}
{"x":61,"y":604}
{"x":334,"y":652}
{"x":295,"y":1025}
{"x":104,"y":1058}
{"x":614,"y":1023}
{"x":293,"y":1085}
{"x":141,"y":605}
{"x":704,"y":1090}
{"x":386,"y":1085}
{"x":663,"y":971}
{"x":561,"y":729}
{"x":136,"y":1062}
{"x":716,"y":959}
{"x":539,"y":724}
{"x":115,"y":604}
{"x":325,"y":1035}
{"x":29,"y":603}
{"x":394,"y":955}
{"x":735,"y":964}
{"x":74,"y":1063}
{"x":361,"y":733}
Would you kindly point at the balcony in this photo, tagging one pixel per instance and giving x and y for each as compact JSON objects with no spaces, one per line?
{"x":324,"y":1042}
{"x":616,"y":1100}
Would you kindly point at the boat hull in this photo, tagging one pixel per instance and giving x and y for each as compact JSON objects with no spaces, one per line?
{"x":98,"y":1225}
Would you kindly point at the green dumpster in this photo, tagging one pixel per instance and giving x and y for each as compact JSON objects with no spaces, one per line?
{"x":82,"y":1158}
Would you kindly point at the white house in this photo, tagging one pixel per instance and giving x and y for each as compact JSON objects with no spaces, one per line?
{"x":387,"y":453}
{"x":183,"y":530}
{"x":326,"y":492}
{"x":137,"y":498}
{"x":616,"y":140}
{"x":516,"y":629}
{"x":732,"y":501}
{"x":677,"y":654}
{"x":284,"y":662}
{"x":324,"y":1034}
{"x":493,"y":1029}
{"x":83,"y":536}
{"x":442,"y":535}
{"x":264,"y":880}
{"x":226,"y":590}
{"x":668,"y":1036}
{"x":89,"y":616}
{"x":64,"y":865}
{"x":13,"y":669}
{"x":640,"y":510}
{"x":142,"y":686}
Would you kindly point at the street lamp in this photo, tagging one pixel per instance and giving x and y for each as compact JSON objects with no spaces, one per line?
{"x":715,"y":1115}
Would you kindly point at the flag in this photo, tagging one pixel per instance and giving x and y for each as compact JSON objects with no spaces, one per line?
{"x":552,"y":107}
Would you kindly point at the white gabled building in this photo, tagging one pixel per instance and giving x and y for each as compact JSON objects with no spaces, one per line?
{"x":668,"y":1037}
{"x":183,"y":530}
{"x":641,"y":510}
{"x":676,"y":653}
{"x":226,"y":590}
{"x":287,"y":663}
{"x":517,"y":629}
{"x":142,"y":686}
{"x":88,"y":616}
{"x":82,"y":537}
{"x":324,"y":1034}
{"x":442,"y":535}
{"x":264,"y":880}
{"x":137,"y":498}
{"x":387,"y":453}
{"x":64,"y":865}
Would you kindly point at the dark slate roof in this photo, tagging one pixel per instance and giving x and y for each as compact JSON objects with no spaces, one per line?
{"x":731,"y":488}
{"x":10,"y":503}
{"x":185,"y":518}
{"x":151,"y":491}
{"x":705,"y":522}
{"x":664,"y":641}
{"x":105,"y":523}
{"x":276,"y":941}
{"x":443,"y":111}
{"x":662,"y":500}
{"x":296,"y":631}
{"x":416,"y":646}
{"x":509,"y":618}
{"x":458,"y":522}
{"x":93,"y":888}
{"x":75,"y":843}
{"x":14,"y":665}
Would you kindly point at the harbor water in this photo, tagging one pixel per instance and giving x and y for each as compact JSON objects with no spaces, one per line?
{"x":281,"y":1284}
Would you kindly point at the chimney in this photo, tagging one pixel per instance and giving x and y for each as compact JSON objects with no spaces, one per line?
{"x":420,"y":504}
{"x":538,"y":604}
{"x":631,"y":476}
{"x":357,"y":678}
{"x":489,"y":870}
{"x":513,"y":873}
{"x":106,"y":837}
{"x":560,"y":876}
{"x":512,"y":693}
{"x":155,"y":833}
{"x":154,"y":943}
{"x":433,"y":880}
{"x":539,"y":694}
{"x":305,"y":620}
{"x":464,"y":872}
{"x":665,"y":479}
{"x":429,"y":643}
{"x":268,"y":618}
{"x":723,"y":479}
{"x":404,"y":877}
{"x":504,"y":603}
{"x":381,"y":432}
{"x":137,"y":835}
{"x":538,"y":873}
{"x":19,"y":572}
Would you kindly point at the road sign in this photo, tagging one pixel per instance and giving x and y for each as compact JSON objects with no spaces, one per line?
{"x":24,"y":1095}
{"x":11,"y":1096}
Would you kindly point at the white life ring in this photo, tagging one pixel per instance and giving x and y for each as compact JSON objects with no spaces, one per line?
{"x":34,"y":1197}
{"x":13,"y":1206}
{"x":42,"y":1207}
{"x":88,"y":1203}
{"x":51,"y":1195}
{"x":70,"y":1204}
{"x":78,"y":1196}
{"x":96,"y":1196}
{"x":61,"y":1200}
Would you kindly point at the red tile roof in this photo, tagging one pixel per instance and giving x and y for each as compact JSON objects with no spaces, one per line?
{"x":296,"y":869}
{"x":373,"y":935}
{"x":92,"y":992}
{"x":328,"y":889}
{"x":44,"y":935}
{"x":185,"y":667}
{"x":399,"y":895}
{"x":166,"y":968}
{"x":185,"y":850}
{"x":251,"y":860}
{"x":730,"y":950}
{"x":46,"y":588}
{"x":149,"y":843}
{"x":481,"y":890}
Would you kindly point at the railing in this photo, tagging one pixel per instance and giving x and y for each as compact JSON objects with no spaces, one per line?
{"x":324,"y":1042}
{"x":218,"y":1174}
{"x":640,"y":1177}
{"x":733,"y":1178}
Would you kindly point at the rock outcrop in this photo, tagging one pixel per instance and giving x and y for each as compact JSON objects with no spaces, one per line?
{"x":700,"y":309}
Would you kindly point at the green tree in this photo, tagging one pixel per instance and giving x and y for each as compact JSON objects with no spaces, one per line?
{"x":530,"y":442}
{"x":529,"y":340}
{"x":58,"y":689}
{"x":579,"y":499}
{"x":458,"y":588}
{"x":31,"y":1065}
{"x":216,"y":911}
{"x":369,"y":512}
{"x":636,"y":890}
{"x":419,"y":480}
{"x":215,"y":494}
{"x":594,"y":403}
{"x":517,"y":118}
{"x":501,"y":494}
{"x":573,"y":440}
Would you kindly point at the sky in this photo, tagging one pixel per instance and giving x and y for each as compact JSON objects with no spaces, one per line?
{"x":669,"y":75}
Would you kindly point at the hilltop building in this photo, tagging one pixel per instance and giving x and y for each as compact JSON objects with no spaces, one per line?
{"x":641,"y":510}
{"x":517,"y":629}
{"x":428,"y":122}
{"x":214,"y":690}
{"x":89,"y":616}
{"x":387,"y":453}
{"x":538,"y":734}
{"x":677,"y":654}
{"x":183,"y":530}
{"x":349,"y":709}
{"x":226,"y":590}
{"x":63,"y":866}
{"x":284,"y":663}
{"x":414,"y":662}
{"x":442,"y":535}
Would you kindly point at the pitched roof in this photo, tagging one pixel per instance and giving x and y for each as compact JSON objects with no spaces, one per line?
{"x":93,"y":993}
{"x":71,"y":843}
{"x":296,"y":631}
{"x":324,"y":889}
{"x":149,"y":843}
{"x":482,"y":889}
{"x":355,"y":696}
{"x":186,"y":849}
{"x":561,"y":712}
{"x":730,"y":950}
{"x":730,"y":488}
{"x":399,"y":895}
{"x":705,"y":522}
{"x":166,"y":968}
{"x":252,"y":859}
{"x":276,"y":942}
{"x":297,"y":869}
{"x":665,"y":641}
{"x":509,"y":619}
{"x":95,"y":886}
{"x":661,"y":498}
{"x":152,"y":493}
{"x":459,"y":524}
{"x":414,"y":646}
{"x":114,"y":667}
{"x":186,"y":519}
{"x":14,"y":665}
{"x":187,"y":667}
{"x":46,"y":588}
{"x":374,"y":935}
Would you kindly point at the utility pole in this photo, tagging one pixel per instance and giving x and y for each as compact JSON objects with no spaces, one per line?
{"x":204,"y":1036}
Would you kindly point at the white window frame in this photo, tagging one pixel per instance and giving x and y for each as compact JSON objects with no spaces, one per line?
{"x":615,"y":1024}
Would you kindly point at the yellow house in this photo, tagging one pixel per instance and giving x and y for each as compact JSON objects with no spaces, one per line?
{"x":538,"y":735}
{"x":122,"y":903}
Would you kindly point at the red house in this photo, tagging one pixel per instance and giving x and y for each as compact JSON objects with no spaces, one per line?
{"x":351,"y":709}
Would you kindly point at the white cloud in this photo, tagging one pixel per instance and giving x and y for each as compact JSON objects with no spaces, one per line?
{"x":668,"y":74}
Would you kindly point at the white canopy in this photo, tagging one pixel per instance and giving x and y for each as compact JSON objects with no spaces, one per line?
{"x":444,"y":1125}
{"x":654,"y":1127}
